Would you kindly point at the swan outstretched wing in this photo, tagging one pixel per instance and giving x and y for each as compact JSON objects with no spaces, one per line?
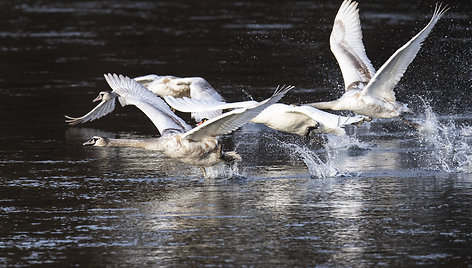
{"x":103,"y":108}
{"x":383,"y":82}
{"x":346,"y":45}
{"x":230,"y":121}
{"x":200,"y":89}
{"x":133,"y":93}
{"x":189,"y":105}
{"x":325,"y":118}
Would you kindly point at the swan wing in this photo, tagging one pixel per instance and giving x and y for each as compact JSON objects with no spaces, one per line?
{"x":346,"y":45}
{"x":383,"y":82}
{"x":133,"y":93}
{"x":230,"y":121}
{"x":200,"y":89}
{"x":145,"y":80}
{"x":189,"y":105}
{"x":103,"y":108}
{"x":325,"y":118}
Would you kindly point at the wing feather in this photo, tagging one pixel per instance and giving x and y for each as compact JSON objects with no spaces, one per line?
{"x":188,"y":105}
{"x":230,"y":121}
{"x":133,"y":93}
{"x":346,"y":45}
{"x":200,"y":89}
{"x":325,"y":118}
{"x":382,"y":84}
{"x":103,"y":108}
{"x":145,"y":80}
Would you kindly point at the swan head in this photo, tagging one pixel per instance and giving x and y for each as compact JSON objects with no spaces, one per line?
{"x":97,"y":141}
{"x":203,"y":121}
{"x":104,"y":96}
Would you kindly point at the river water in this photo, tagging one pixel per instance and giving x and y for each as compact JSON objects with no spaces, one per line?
{"x":385,"y":195}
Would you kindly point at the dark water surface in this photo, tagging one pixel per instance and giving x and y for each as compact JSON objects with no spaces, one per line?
{"x":384,"y":196}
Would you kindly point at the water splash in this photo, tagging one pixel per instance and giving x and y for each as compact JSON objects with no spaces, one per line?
{"x":333,"y":144}
{"x":449,"y":142}
{"x":223,"y":171}
{"x":336,"y":142}
{"x":316,"y":166}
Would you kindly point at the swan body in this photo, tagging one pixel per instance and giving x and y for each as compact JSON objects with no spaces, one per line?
{"x":300,"y":120}
{"x":203,"y":154}
{"x":368,"y":92}
{"x":355,"y":101}
{"x":198,"y":146}
{"x":192,"y":87}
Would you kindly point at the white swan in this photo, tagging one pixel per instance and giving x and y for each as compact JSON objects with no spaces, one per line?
{"x":369,"y":93}
{"x":197,"y":146}
{"x":300,"y":120}
{"x":193,"y":87}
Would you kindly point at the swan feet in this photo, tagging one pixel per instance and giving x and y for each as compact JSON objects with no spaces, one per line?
{"x":228,"y":157}
{"x":203,"y":171}
{"x":309,"y":131}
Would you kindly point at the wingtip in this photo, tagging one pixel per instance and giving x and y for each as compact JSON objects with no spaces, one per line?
{"x":282,"y":89}
{"x":348,"y":7}
{"x":440,"y":9}
{"x":71,"y":121}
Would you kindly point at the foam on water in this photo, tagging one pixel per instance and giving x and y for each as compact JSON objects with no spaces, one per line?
{"x":451,"y":151}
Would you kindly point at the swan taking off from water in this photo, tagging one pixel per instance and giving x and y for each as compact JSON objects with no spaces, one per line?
{"x":301,"y":120}
{"x":198,"y":146}
{"x":368,"y":92}
{"x":192,"y":87}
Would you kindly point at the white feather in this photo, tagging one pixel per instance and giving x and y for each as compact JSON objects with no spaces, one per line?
{"x":346,"y":45}
{"x":382,"y":84}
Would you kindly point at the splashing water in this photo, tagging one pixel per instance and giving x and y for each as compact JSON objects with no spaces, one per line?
{"x":336,"y":142}
{"x":327,"y":168}
{"x":223,"y":171}
{"x":315,"y":164}
{"x":450,"y":143}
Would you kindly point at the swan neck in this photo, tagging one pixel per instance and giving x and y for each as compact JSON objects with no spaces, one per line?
{"x":331,"y":105}
{"x":151,"y":144}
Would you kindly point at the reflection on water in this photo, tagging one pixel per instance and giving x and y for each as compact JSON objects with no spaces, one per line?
{"x":385,"y":195}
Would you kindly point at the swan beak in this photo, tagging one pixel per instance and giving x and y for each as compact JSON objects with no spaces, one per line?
{"x":89,"y":142}
{"x":203,"y":121}
{"x":98,"y":98}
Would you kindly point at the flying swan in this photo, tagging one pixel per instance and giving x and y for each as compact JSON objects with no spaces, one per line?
{"x":301,"y":120}
{"x":198,"y":146}
{"x":368,"y":92}
{"x":192,"y":87}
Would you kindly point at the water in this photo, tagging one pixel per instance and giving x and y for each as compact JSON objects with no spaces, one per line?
{"x":386,"y":195}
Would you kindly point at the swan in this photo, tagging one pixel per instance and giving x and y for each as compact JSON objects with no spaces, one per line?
{"x":193,"y":87}
{"x":368,"y":92}
{"x":196,"y":146}
{"x":301,"y":120}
